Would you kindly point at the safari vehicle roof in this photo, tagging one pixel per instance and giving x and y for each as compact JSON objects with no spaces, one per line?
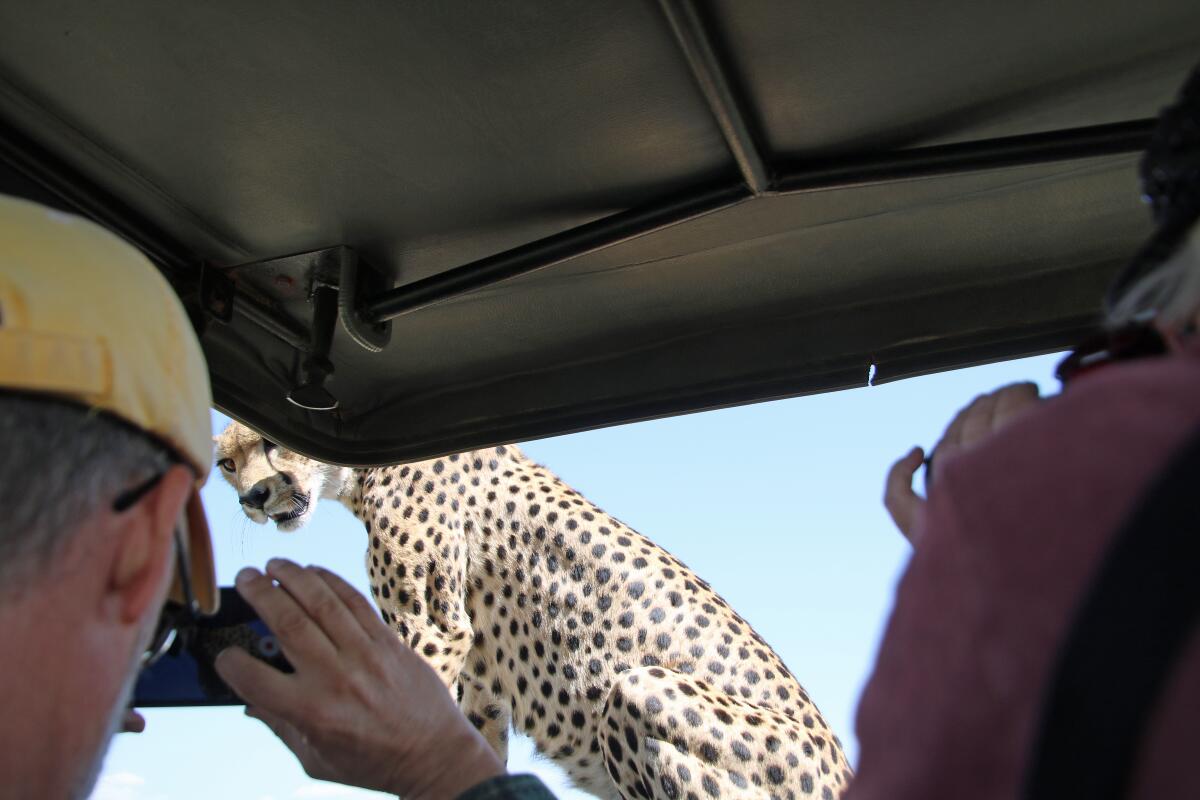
{"x":527,"y":218}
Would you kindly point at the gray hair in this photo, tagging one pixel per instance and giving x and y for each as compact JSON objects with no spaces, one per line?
{"x":60,"y":464}
{"x":1170,"y":293}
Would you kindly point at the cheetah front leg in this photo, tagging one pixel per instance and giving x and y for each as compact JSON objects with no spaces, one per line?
{"x":490,"y":714}
{"x":417,"y":579}
{"x":670,"y":736}
{"x":422,"y":599}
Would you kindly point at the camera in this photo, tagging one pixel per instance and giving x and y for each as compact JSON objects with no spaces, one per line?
{"x":184,"y":675}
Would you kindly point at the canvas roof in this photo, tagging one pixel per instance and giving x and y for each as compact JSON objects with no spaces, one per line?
{"x":571,"y":214}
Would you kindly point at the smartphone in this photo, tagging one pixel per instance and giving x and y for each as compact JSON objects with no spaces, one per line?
{"x":185,"y":676}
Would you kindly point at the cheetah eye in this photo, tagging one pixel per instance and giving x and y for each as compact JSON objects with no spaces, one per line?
{"x":227,"y":465}
{"x":268,"y":445}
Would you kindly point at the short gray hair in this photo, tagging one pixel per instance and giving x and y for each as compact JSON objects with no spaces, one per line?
{"x":1170,"y":292}
{"x":59,"y":463}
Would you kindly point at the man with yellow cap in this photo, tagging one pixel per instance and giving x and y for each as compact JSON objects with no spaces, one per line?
{"x":104,"y":442}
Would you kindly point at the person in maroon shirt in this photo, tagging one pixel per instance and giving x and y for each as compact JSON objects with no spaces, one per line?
{"x":1026,"y":497}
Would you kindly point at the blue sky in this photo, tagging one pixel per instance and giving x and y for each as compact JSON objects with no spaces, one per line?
{"x":777,"y":505}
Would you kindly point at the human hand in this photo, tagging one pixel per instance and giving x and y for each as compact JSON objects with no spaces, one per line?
{"x":361,"y":708}
{"x":984,"y":416}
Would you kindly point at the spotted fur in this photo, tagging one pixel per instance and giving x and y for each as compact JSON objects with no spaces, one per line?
{"x":550,"y":616}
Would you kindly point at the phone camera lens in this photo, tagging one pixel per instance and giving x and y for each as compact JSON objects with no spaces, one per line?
{"x":267,"y":647}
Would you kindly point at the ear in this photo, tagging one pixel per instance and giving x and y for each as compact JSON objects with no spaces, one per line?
{"x":143,"y":562}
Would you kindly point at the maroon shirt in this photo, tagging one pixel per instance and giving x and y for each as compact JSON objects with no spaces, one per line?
{"x":1013,"y":530}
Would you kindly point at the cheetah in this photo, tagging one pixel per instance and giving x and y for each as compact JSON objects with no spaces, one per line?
{"x":543,"y":613}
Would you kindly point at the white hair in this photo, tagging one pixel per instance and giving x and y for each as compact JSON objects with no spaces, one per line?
{"x":1170,"y":293}
{"x":59,"y":464}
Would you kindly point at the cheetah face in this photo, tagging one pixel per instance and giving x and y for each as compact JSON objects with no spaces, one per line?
{"x":274,"y":483}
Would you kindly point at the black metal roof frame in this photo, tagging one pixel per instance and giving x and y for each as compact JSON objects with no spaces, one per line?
{"x":760,"y":176}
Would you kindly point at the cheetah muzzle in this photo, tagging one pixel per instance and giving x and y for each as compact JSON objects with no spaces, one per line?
{"x":545,"y":614}
{"x":297,"y":508}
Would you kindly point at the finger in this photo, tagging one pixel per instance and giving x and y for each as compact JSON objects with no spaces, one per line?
{"x":133,"y":722}
{"x":953,"y":434}
{"x":977,"y":422}
{"x":256,"y":682}
{"x":1011,"y":401}
{"x":901,"y":502}
{"x":320,"y":602}
{"x":299,"y":636}
{"x":358,"y":606}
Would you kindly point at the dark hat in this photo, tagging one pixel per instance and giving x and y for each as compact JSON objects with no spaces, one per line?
{"x":1170,"y":173}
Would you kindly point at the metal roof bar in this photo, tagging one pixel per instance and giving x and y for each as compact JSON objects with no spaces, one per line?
{"x":1069,"y":144}
{"x":711,"y":77}
{"x":1064,"y":145}
{"x":602,"y":233}
{"x":83,"y":195}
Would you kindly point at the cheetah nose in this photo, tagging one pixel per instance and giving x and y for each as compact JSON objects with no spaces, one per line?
{"x":256,"y":497}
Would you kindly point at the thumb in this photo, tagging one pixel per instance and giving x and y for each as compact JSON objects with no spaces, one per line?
{"x":902,"y":503}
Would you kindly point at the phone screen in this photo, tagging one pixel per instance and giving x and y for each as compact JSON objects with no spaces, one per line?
{"x":185,"y":676}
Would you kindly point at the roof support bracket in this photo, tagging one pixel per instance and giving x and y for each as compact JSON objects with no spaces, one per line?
{"x":358,"y":281}
{"x":334,"y":281}
{"x":316,"y":368}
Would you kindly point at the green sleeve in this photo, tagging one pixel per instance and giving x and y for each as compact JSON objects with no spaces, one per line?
{"x":509,"y":787}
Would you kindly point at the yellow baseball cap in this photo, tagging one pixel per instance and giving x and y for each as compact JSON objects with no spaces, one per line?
{"x":86,"y":317}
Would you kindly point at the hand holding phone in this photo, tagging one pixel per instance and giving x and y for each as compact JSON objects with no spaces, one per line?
{"x":361,"y":707}
{"x":185,"y":675}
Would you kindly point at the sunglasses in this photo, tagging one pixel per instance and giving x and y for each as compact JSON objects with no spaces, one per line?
{"x":175,"y":616}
